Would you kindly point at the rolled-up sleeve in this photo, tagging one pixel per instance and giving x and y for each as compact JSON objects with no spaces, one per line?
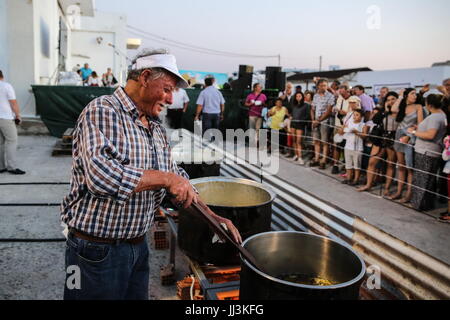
{"x":107,"y":171}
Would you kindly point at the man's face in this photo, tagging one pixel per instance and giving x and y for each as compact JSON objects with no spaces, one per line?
{"x":343,"y":92}
{"x":289,"y":87}
{"x":358,"y":91}
{"x":86,"y":66}
{"x":384,"y":92}
{"x":156,"y":94}
{"x":323,"y":87}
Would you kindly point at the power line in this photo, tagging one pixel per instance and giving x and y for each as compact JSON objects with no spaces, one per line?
{"x":183,"y":47}
{"x":195,"y":48}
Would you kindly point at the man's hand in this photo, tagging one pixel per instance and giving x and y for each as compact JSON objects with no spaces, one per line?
{"x":230,"y":226}
{"x":315,"y":124}
{"x":18,"y":119}
{"x":181,"y":189}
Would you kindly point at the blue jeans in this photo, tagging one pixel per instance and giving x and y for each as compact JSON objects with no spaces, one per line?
{"x":108,"y":271}
{"x":210,"y":121}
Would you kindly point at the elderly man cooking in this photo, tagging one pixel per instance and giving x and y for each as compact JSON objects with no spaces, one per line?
{"x":122,"y":169}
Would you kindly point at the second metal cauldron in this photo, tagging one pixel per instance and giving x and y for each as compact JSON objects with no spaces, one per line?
{"x":287,"y":252}
{"x":246,"y":203}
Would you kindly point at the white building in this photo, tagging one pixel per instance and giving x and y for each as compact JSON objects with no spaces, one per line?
{"x":403,"y":78}
{"x":39,"y":38}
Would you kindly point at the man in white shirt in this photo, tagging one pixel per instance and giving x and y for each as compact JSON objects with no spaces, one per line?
{"x":9,"y":117}
{"x":179,"y":106}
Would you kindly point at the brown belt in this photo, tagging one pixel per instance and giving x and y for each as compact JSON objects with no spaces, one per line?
{"x":86,"y":237}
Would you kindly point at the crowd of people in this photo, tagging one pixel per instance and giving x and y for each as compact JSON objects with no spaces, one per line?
{"x":90,"y":78}
{"x":397,"y":138}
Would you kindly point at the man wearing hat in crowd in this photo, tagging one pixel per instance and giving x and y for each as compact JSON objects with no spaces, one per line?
{"x":122,"y":169}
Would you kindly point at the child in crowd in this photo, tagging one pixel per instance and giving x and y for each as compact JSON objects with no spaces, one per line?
{"x":354,"y":145}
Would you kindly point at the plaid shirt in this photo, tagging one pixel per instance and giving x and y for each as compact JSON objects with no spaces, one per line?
{"x":111,"y":150}
{"x":321,"y":103}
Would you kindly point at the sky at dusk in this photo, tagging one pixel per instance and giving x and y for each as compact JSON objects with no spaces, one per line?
{"x":383,"y":34}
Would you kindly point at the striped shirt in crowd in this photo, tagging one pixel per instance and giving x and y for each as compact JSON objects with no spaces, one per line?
{"x":111,"y":150}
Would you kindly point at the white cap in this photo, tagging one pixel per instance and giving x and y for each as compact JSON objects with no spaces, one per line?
{"x":354,"y":99}
{"x":164,"y":61}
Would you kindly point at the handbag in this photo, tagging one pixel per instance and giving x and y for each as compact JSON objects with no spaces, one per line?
{"x":376,"y":135}
{"x":340,"y":116}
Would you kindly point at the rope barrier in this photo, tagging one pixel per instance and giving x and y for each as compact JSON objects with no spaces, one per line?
{"x":371,"y":156}
{"x":368,"y":135}
{"x":393,"y":178}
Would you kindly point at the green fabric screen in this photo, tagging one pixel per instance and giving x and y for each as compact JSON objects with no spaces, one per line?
{"x":60,"y":106}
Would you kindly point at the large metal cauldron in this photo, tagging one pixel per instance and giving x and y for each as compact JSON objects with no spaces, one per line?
{"x":284,"y":253}
{"x":246,"y":203}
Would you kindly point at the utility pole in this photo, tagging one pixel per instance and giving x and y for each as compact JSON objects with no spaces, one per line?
{"x":320,"y":64}
{"x":279,"y":60}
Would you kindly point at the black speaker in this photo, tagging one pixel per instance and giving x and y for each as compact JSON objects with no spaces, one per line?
{"x":244,"y":69}
{"x":271,"y":73}
{"x":246,"y":81}
{"x":245,"y":77}
{"x":275,"y":78}
{"x":273,"y":69}
{"x":280,"y":81}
